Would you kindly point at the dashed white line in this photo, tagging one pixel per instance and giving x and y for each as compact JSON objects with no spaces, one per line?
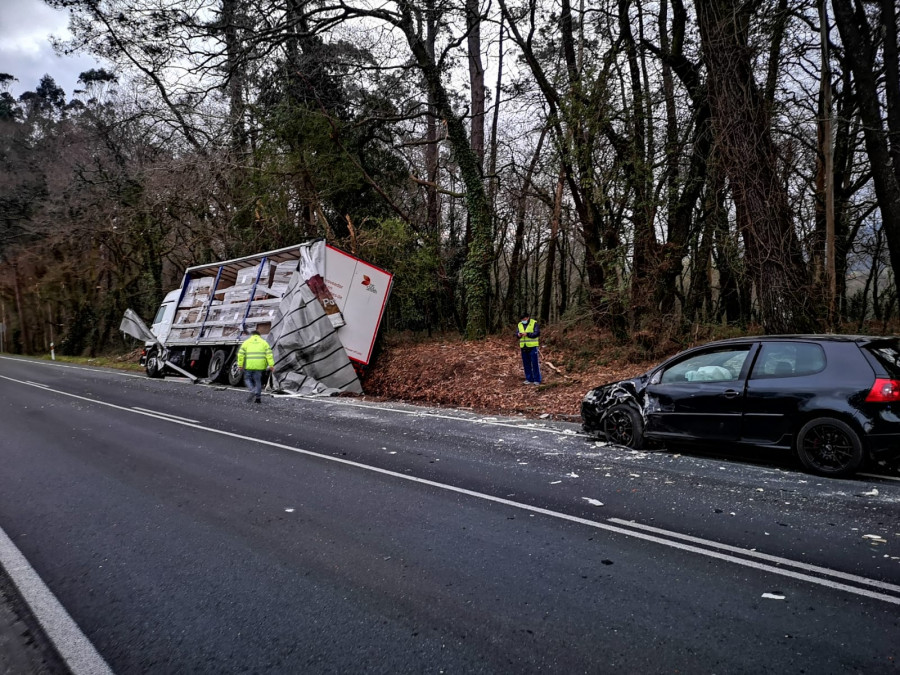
{"x":164,"y":415}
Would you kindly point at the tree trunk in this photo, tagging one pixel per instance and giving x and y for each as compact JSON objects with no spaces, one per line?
{"x":859,"y":54}
{"x":515,"y":263}
{"x":476,"y":269}
{"x":547,"y":293}
{"x":740,"y":122}
{"x":476,"y":79}
{"x":432,"y":208}
{"x":24,"y":338}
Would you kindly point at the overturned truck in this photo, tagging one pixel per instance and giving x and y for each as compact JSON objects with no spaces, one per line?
{"x":318,"y":307}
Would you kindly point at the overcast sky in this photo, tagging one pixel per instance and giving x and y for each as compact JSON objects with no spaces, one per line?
{"x":25,"y":50}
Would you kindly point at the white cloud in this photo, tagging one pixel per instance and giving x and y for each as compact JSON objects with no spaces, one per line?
{"x":25,"y":50}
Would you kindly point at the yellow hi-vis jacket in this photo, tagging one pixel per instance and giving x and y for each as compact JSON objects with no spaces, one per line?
{"x":255,"y":354}
{"x":527,"y":328}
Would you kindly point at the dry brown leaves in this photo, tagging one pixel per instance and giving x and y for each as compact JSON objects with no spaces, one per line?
{"x":487,"y":376}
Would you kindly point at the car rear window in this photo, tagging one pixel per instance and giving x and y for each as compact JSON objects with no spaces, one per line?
{"x":887,"y":353}
{"x":788,"y":359}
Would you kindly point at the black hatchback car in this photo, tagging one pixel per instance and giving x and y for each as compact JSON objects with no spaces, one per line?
{"x":834,"y":400}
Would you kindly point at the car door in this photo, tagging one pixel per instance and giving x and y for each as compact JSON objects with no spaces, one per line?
{"x":700,"y":396}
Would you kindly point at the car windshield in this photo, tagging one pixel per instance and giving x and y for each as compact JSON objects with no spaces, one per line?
{"x":888,"y":354}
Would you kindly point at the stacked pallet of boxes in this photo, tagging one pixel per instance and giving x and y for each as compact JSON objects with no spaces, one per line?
{"x":191,"y":309}
{"x":223,"y":313}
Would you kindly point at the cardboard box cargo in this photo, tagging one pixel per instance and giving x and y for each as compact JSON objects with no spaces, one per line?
{"x":247,"y":275}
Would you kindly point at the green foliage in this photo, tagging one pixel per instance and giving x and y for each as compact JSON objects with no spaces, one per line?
{"x":417,"y":302}
{"x":81,"y":333}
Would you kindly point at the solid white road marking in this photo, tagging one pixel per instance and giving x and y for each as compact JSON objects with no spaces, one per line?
{"x":57,"y":364}
{"x":330,"y":400}
{"x":73,"y":646}
{"x":627,"y":531}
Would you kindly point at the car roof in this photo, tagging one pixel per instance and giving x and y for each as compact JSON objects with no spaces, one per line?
{"x":813,"y":337}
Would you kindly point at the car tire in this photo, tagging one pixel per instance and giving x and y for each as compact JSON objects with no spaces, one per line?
{"x":829,"y":447}
{"x":153,"y":366}
{"x":217,"y":362}
{"x":623,"y":425}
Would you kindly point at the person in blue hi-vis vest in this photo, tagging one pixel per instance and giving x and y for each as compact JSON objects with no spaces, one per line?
{"x":528,"y":333}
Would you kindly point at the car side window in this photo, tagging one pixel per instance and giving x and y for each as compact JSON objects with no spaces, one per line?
{"x":721,"y":365}
{"x":788,"y":359}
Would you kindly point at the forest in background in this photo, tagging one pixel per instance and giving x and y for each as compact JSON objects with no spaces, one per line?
{"x":643,"y":167}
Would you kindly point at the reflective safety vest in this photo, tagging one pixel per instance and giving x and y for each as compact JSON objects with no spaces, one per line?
{"x":526,"y":328}
{"x":255,"y":354}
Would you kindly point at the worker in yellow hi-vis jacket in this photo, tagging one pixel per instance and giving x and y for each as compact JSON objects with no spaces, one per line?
{"x":529,"y":334}
{"x":254,"y":358}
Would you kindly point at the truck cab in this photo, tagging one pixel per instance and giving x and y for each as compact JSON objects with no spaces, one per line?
{"x":165,"y":315}
{"x":151,"y":356}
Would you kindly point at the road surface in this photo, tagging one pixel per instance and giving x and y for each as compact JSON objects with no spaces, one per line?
{"x":171,"y":527}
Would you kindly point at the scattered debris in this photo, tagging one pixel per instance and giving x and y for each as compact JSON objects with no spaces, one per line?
{"x":773,"y":596}
{"x":872,"y":493}
{"x":592,"y":502}
{"x":875,"y":538}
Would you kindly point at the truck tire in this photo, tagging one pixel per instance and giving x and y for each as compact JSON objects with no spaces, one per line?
{"x":153,"y":365}
{"x":235,"y":374}
{"x":216,"y":371}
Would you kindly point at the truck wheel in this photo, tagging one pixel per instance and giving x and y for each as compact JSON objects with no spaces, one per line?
{"x":216,"y":370}
{"x":235,"y":374}
{"x":153,"y":365}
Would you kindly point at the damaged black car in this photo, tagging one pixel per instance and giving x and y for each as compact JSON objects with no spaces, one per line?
{"x":832,"y":400}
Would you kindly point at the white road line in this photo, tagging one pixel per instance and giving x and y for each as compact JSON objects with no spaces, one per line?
{"x":165,"y":415}
{"x":73,"y":646}
{"x":57,"y":364}
{"x":636,"y":533}
{"x":762,"y":556}
{"x":422,"y":413}
{"x":417,"y":413}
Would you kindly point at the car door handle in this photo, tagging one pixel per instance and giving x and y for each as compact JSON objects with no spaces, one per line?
{"x":731,"y":393}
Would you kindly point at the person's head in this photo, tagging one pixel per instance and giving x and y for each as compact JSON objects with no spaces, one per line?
{"x":525,"y":316}
{"x":254,"y":332}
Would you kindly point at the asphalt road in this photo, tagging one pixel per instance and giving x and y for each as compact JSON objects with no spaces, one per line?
{"x":164,"y":527}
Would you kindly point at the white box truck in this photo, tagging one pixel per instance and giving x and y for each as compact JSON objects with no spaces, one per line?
{"x":199,"y":326}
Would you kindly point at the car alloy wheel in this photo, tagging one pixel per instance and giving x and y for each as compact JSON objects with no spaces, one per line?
{"x":829,"y":447}
{"x":622,"y":425}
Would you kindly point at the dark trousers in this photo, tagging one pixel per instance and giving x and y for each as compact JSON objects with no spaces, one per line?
{"x":530,"y":363}
{"x":253,"y":380}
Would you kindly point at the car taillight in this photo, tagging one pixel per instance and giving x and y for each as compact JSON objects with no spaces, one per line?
{"x":884,"y":391}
